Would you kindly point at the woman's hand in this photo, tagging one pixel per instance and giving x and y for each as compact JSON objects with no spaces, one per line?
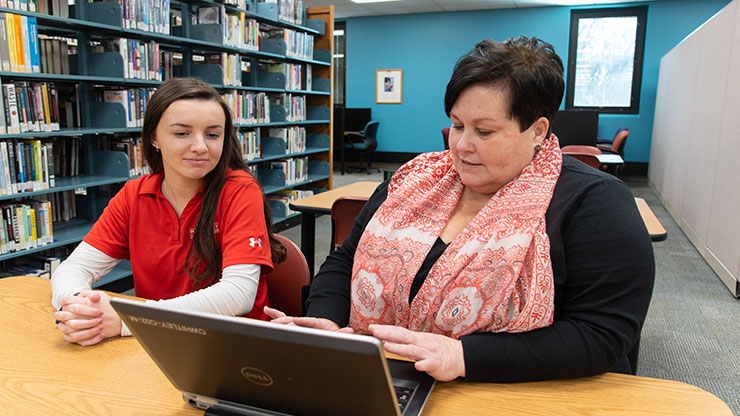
{"x":88,"y":318}
{"x":279,"y":317}
{"x":438,"y":355}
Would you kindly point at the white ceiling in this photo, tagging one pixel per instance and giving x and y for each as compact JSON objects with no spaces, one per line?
{"x":346,"y":8}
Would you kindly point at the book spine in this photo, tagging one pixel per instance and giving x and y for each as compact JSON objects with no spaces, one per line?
{"x":26,"y":43}
{"x":20,"y":98}
{"x":33,"y":37}
{"x":54,"y":106}
{"x":4,"y":47}
{"x":10,"y":27}
{"x":50,"y":164}
{"x":12,"y":108}
{"x":13,"y":168}
{"x":19,"y":49}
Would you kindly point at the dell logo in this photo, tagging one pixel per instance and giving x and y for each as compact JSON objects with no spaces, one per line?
{"x":257,"y":376}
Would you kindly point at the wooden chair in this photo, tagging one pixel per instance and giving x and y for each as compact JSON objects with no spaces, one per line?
{"x":287,"y":284}
{"x":343,"y":213}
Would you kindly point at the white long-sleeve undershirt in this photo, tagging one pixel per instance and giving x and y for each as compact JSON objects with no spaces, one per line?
{"x":233,"y":295}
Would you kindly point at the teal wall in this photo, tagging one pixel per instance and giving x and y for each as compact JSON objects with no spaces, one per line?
{"x":427,"y":45}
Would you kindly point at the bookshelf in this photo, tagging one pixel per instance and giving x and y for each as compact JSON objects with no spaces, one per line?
{"x":291,"y":82}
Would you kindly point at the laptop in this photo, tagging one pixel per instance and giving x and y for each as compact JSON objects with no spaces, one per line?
{"x":236,"y":366}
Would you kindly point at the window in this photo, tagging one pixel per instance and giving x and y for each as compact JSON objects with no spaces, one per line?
{"x":605,"y":59}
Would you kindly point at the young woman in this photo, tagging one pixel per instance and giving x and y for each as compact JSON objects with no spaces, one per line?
{"x":197,"y":230}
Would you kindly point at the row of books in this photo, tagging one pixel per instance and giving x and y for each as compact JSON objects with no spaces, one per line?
{"x":285,"y":197}
{"x":295,"y":105}
{"x":25,"y":225}
{"x":295,"y":169}
{"x":250,"y":144}
{"x":141,"y":59}
{"x":53,"y":7}
{"x":146,"y":15}
{"x":237,"y":30}
{"x":29,"y":106}
{"x":36,"y":264}
{"x":232,"y":65}
{"x":290,"y":11}
{"x":28,"y":165}
{"x":297,"y":76}
{"x":297,"y":44}
{"x":248,"y":107}
{"x":54,"y":52}
{"x":132,"y":146}
{"x":294,"y":137}
{"x":133,"y":100}
{"x":19,"y":48}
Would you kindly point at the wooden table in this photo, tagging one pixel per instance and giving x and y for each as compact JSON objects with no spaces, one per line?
{"x":321,"y":204}
{"x":40,"y":374}
{"x":654,"y":227}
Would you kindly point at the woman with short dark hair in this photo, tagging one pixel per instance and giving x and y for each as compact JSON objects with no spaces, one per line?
{"x":500,"y":259}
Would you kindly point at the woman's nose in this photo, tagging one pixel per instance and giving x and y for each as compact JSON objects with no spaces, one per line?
{"x":199,"y":143}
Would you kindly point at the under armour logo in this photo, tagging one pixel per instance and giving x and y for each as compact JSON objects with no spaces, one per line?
{"x":255,"y":242}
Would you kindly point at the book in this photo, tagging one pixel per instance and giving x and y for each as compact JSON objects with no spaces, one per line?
{"x":10,"y":28}
{"x":12,"y":108}
{"x":26,"y":43}
{"x":18,"y":37}
{"x":33,"y":38}
{"x":4,"y":47}
{"x":13,"y":166}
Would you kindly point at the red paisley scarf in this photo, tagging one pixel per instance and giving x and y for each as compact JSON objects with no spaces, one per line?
{"x":495,"y":276}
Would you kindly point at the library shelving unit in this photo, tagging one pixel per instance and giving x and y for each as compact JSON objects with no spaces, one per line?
{"x":90,"y":69}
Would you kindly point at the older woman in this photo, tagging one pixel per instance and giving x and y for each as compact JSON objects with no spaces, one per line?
{"x":500,"y":259}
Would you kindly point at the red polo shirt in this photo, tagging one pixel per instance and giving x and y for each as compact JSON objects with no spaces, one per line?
{"x":140,"y":224}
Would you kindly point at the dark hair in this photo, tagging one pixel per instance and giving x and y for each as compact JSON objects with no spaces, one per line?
{"x":527,"y":68}
{"x":204,"y":248}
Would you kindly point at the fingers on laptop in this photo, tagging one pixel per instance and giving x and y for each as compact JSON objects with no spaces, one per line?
{"x":273,"y":313}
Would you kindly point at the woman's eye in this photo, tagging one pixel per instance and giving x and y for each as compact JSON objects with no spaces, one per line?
{"x":214,"y":135}
{"x":181,"y":134}
{"x":458,"y":128}
{"x":484,"y":132}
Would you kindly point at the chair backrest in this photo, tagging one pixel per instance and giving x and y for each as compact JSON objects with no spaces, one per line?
{"x":371,"y":135}
{"x":579,"y":148}
{"x":620,"y":139}
{"x":446,"y":137}
{"x":587,"y":158}
{"x":344,"y":210}
{"x":287,"y":283}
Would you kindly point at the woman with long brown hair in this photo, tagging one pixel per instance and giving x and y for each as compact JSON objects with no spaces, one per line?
{"x":197,"y":229}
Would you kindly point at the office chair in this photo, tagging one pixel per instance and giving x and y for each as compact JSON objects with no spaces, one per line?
{"x":365,"y":144}
{"x":287,"y":284}
{"x":446,"y":137}
{"x":616,"y":145}
{"x":586,"y":154}
{"x":344,"y":210}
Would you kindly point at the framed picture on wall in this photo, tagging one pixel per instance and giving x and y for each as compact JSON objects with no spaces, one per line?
{"x":388,"y":86}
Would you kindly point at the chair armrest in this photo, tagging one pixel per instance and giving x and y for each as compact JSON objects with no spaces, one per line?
{"x":605,"y":148}
{"x":352,"y":138}
{"x":604,"y":141}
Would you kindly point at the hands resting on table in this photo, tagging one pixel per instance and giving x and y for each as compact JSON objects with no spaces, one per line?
{"x":88,"y":318}
{"x":438,"y":355}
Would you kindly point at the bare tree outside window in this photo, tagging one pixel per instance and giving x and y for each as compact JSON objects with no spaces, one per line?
{"x":605,"y":59}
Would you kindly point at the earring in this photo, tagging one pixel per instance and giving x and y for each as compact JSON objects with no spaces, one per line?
{"x":156,"y":148}
{"x":537,"y":149}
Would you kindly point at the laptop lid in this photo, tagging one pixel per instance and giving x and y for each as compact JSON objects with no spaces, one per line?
{"x":266,"y":368}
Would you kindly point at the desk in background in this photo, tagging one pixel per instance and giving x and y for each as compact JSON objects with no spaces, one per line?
{"x":40,"y":373}
{"x":321,"y":204}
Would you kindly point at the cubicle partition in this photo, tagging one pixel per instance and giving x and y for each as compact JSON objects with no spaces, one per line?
{"x":695,"y":148}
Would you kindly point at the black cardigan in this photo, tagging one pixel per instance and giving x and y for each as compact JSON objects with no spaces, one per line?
{"x":603,"y":266}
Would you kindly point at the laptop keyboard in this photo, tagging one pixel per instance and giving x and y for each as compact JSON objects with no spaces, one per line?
{"x":403,"y":394}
